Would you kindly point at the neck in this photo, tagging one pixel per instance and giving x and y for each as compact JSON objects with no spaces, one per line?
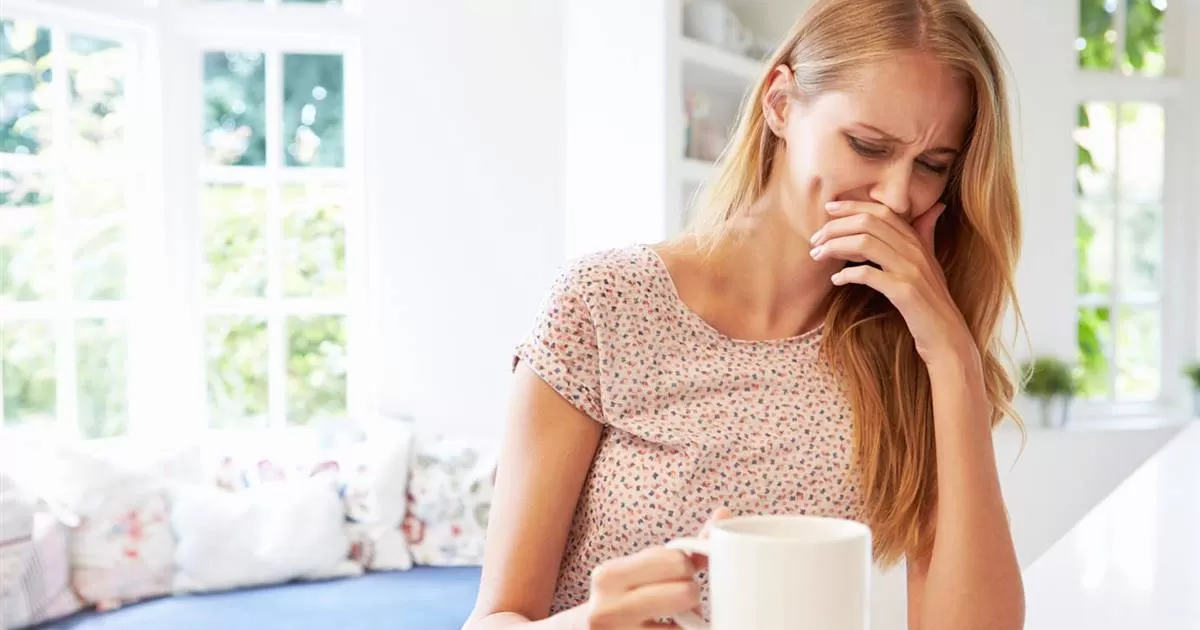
{"x":765,"y":269}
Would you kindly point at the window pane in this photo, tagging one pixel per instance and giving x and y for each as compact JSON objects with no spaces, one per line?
{"x":314,"y":241}
{"x":1144,"y":38}
{"x":27,"y":355}
{"x":1097,"y":42}
{"x":234,"y":221}
{"x":102,"y":390}
{"x":236,"y":349}
{"x":1094,"y":332}
{"x":97,"y":70}
{"x":26,"y":237}
{"x":1141,"y":249}
{"x":98,"y":226}
{"x":1094,"y":247}
{"x":1141,"y":171}
{"x":234,"y":105}
{"x":312,"y":110}
{"x":24,"y":87}
{"x":316,"y":368}
{"x":1095,"y":138}
{"x":1140,"y":341}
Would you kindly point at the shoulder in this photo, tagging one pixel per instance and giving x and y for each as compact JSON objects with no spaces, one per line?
{"x":609,"y":278}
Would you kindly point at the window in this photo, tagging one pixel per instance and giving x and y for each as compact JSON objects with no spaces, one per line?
{"x":65,"y":209}
{"x":273,"y":206}
{"x":258,"y":229}
{"x":1124,"y":205}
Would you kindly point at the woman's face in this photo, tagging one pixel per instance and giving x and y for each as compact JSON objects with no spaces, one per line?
{"x":891,"y":139}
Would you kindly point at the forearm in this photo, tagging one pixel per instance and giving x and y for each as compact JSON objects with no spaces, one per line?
{"x":973,"y":579}
{"x":572,"y":619}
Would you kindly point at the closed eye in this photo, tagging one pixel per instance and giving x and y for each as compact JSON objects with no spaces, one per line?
{"x":864,"y":149}
{"x":938,"y":169}
{"x":868,"y":150}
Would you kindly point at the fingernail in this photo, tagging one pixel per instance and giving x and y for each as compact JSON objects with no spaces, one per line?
{"x":815,"y":237}
{"x":816,"y":251}
{"x":833,"y":205}
{"x":836,"y":278}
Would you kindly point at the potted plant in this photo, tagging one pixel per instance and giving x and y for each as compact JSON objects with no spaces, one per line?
{"x":1049,"y":380}
{"x":1192,"y":372}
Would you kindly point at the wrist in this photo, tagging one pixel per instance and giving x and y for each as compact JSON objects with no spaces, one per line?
{"x":955,"y":355}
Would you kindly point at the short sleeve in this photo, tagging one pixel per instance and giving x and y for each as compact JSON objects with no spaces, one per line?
{"x":562,"y":349}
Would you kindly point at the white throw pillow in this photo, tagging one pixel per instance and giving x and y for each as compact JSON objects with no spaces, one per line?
{"x":374,"y":477}
{"x":267,"y":534}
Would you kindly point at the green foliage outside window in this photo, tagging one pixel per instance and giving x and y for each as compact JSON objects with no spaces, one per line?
{"x":1143,"y":55}
{"x":313,"y":230}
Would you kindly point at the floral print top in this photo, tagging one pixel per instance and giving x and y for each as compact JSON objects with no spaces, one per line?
{"x":693,"y":419}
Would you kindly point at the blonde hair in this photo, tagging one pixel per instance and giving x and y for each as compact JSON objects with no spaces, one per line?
{"x":977,"y":243}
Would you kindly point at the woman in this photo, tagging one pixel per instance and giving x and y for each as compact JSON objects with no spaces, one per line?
{"x":824,"y":340}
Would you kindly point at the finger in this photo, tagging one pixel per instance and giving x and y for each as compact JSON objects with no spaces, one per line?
{"x":877,"y":279}
{"x":837,"y":209}
{"x":861,"y":248}
{"x":649,"y":566}
{"x":926,"y":225}
{"x":718,"y":514}
{"x":866,"y":223}
{"x":652,"y":602}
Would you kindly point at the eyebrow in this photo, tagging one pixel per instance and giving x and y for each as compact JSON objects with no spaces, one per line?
{"x":950,"y":151}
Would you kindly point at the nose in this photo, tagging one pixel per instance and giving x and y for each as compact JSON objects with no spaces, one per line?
{"x":892,"y":188}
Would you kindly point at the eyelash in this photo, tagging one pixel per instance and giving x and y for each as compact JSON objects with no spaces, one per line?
{"x":868,"y":151}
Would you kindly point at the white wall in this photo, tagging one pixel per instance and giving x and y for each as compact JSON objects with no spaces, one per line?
{"x":1034,"y":36}
{"x":465,"y":144}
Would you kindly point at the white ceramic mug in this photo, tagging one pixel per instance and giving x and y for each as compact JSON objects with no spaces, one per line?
{"x":784,"y":572}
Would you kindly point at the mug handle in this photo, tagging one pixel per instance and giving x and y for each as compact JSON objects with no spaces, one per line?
{"x":690,"y":546}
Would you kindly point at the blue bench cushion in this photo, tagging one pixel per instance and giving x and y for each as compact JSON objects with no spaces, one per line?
{"x":425,"y":598}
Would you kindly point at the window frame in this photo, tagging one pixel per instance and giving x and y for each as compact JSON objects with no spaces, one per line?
{"x":1177,"y":298}
{"x":199,"y":27}
{"x":166,"y":366}
{"x":63,"y":311}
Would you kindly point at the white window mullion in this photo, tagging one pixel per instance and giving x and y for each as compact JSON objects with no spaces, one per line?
{"x":141,"y":270}
{"x":66,"y":385}
{"x":252,"y":307}
{"x":362,"y":321}
{"x":276,"y":321}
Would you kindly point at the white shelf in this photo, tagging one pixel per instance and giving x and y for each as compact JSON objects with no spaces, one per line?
{"x":711,"y":66}
{"x":695,"y":171}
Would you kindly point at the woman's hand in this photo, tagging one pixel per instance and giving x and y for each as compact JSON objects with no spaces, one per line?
{"x":908,"y":273}
{"x":641,"y":590}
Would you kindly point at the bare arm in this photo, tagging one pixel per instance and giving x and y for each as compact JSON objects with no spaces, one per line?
{"x":547,"y":452}
{"x":972,"y":572}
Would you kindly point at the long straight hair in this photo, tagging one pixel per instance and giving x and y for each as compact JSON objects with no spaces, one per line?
{"x":977,"y":243}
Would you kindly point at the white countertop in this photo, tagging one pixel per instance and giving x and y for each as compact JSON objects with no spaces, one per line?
{"x":1133,"y":562}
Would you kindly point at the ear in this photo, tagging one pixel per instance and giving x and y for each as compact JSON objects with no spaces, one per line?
{"x":775,"y":98}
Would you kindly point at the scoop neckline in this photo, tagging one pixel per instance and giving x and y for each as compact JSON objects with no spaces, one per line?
{"x":664,"y":275}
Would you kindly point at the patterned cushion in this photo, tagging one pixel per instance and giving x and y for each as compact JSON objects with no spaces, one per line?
{"x":121,"y":544}
{"x":449,"y":499}
{"x":37,"y":588}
